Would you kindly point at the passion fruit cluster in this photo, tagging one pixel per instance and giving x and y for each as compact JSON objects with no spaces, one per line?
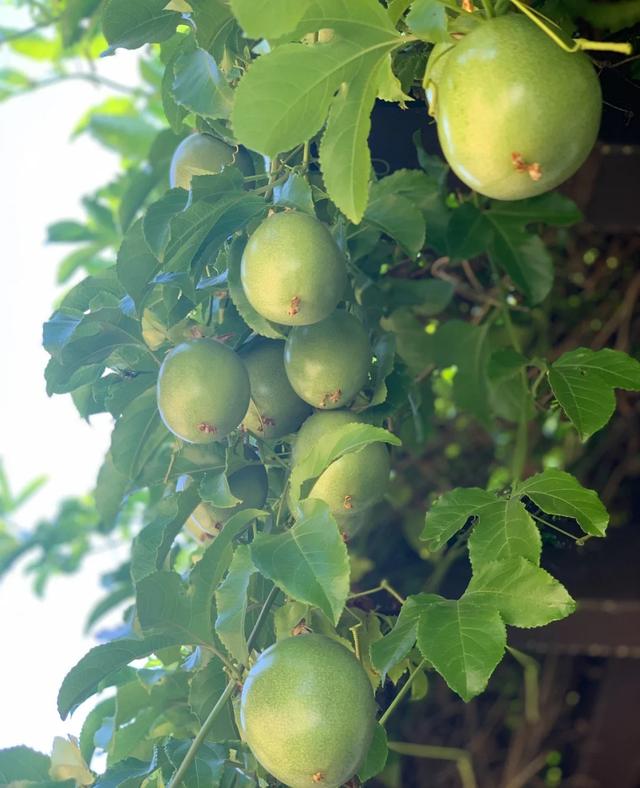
{"x":293,"y":273}
{"x":516,"y":113}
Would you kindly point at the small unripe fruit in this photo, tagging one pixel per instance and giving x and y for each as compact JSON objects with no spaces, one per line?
{"x":307,"y":712}
{"x":199,"y":154}
{"x":328,"y":363}
{"x":203,"y":391}
{"x":275,"y":409}
{"x":353,"y":482}
{"x":292,"y":271}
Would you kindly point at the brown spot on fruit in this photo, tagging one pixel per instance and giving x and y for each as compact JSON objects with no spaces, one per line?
{"x":294,"y":306}
{"x":301,"y":628}
{"x":318,"y":777}
{"x":208,"y":428}
{"x":268,"y":422}
{"x":533,"y":170}
{"x":348,"y":502}
{"x":336,"y":396}
{"x":468,"y":6}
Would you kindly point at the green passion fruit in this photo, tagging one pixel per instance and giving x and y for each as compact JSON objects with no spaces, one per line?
{"x":516,"y":114}
{"x":203,"y":391}
{"x":353,"y":482}
{"x":275,"y":409}
{"x":199,"y":154}
{"x":249,"y":484}
{"x":327,"y":363}
{"x":292,"y":270}
{"x":307,"y":712}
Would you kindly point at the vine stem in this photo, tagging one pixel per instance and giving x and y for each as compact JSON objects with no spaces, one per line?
{"x":577,"y":44}
{"x":488,"y":8}
{"x":531,"y":684}
{"x":227,"y":693}
{"x":461,"y":758}
{"x":384,"y":586}
{"x":398,"y":698}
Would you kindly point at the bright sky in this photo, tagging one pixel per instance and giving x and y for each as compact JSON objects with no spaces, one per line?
{"x":44,"y":175}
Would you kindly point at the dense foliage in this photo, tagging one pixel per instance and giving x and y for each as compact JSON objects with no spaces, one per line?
{"x":258,"y":115}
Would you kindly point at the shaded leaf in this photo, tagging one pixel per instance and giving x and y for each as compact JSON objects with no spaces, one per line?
{"x":376,"y":757}
{"x":130,"y":25}
{"x":231,"y":604}
{"x":504,"y":530}
{"x":200,"y":87}
{"x":450,"y":512}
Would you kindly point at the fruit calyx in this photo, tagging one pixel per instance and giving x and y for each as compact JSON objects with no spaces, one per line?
{"x":534,"y":170}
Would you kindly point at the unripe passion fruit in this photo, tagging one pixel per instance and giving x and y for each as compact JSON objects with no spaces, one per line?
{"x":517,"y":115}
{"x":353,"y":482}
{"x":203,"y":391}
{"x":199,"y":154}
{"x":327,"y":363}
{"x":292,"y":270}
{"x":249,"y":484}
{"x":307,"y":712}
{"x":275,"y":409}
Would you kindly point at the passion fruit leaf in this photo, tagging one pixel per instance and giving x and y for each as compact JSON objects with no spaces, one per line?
{"x":216,"y":29}
{"x":398,"y":217}
{"x":206,"y":686}
{"x":504,"y":530}
{"x":157,"y":221}
{"x":152,"y":544}
{"x":464,"y":640}
{"x":560,"y":493}
{"x":128,"y":773}
{"x":23,"y":763}
{"x":214,"y":489}
{"x":525,"y":595}
{"x":295,"y":192}
{"x":376,"y":758}
{"x":200,"y":87}
{"x":309,"y":562}
{"x":342,"y":440}
{"x":136,"y":265}
{"x":550,"y":208}
{"x":584,"y":380}
{"x":254,"y":320}
{"x":101,"y":664}
{"x":450,"y":513}
{"x":208,"y":766}
{"x":165,"y":607}
{"x":268,"y":18}
{"x":130,"y":25}
{"x":111,"y":487}
{"x":428,"y":19}
{"x":394,"y":646}
{"x":137,"y":435}
{"x":231,"y":604}
{"x":94,"y":720}
{"x":468,"y":233}
{"x":384,"y":351}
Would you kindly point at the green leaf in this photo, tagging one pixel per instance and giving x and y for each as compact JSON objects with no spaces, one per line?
{"x":396,"y":216}
{"x":525,"y":595}
{"x":165,"y":607}
{"x":343,"y":440}
{"x":550,"y":208}
{"x":308,"y":562}
{"x":199,"y":85}
{"x":157,"y":220}
{"x":128,"y":773}
{"x":464,"y":640}
{"x":93,"y":722}
{"x":209,"y":767}
{"x":23,"y":763}
{"x":111,"y":487}
{"x":560,"y":493}
{"x":376,"y":757}
{"x":207,"y":685}
{"x":584,"y":380}
{"x":523,"y":256}
{"x":136,"y":264}
{"x":450,"y":512}
{"x":394,"y":647}
{"x":468,"y":233}
{"x":214,"y":489}
{"x":504,"y":530}
{"x":428,"y":19}
{"x":231,"y":604}
{"x":295,"y":192}
{"x":130,"y":25}
{"x":69,"y":232}
{"x":100,"y":664}
{"x":509,"y":391}
{"x":268,"y":18}
{"x":345,"y":159}
{"x":138,"y":434}
{"x":152,"y":544}
{"x":254,"y":320}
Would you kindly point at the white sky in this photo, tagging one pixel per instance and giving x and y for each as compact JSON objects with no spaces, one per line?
{"x":44,"y":175}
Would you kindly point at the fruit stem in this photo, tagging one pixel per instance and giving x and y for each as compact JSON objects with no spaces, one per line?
{"x":461,"y":757}
{"x":227,"y":693}
{"x":384,"y":586}
{"x":489,"y":10}
{"x":577,"y":44}
{"x":402,"y":693}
